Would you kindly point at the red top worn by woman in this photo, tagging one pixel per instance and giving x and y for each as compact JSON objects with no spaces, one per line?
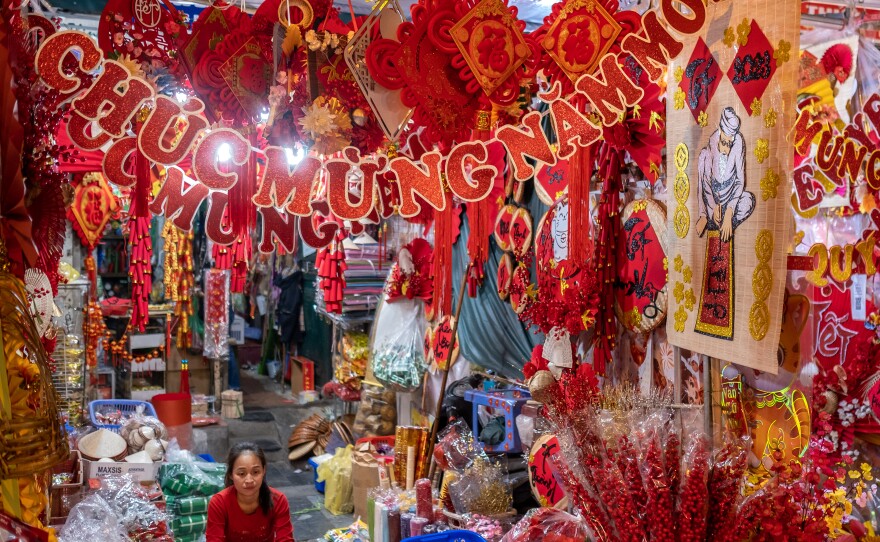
{"x":227,"y":522}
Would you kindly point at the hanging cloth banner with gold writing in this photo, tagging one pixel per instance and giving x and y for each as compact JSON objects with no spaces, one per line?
{"x":730,"y":109}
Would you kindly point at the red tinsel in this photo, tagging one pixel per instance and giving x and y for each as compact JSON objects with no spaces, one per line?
{"x":580,"y":224}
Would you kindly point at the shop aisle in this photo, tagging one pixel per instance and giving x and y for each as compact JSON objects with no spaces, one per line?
{"x":269,"y":417}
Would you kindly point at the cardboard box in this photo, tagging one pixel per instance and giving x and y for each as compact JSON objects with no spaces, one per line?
{"x":141,"y":472}
{"x":302,"y":374}
{"x":232,"y":404}
{"x":366,"y":473}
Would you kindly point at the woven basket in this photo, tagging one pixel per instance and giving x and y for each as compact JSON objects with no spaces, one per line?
{"x":36,"y":441}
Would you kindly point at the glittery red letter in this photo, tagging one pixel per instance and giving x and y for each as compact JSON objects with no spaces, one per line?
{"x":528,"y":141}
{"x":159,"y":140}
{"x":280,"y":226}
{"x":571,"y":126}
{"x":805,"y":132}
{"x":281,"y":186}
{"x":105,"y":103}
{"x":53,"y":52}
{"x":613,"y":93}
{"x":872,"y":170}
{"x":224,"y":146}
{"x":79,"y":131}
{"x":114,"y":165}
{"x":653,"y":46}
{"x":178,"y":199}
{"x":339,"y":175}
{"x":851,"y":161}
{"x":680,"y":22}
{"x":422,"y":179}
{"x":214,"y":223}
{"x":483,"y":176}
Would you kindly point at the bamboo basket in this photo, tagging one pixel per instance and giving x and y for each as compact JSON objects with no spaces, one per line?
{"x":35,"y":441}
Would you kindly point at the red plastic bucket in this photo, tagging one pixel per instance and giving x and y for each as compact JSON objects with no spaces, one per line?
{"x":175,"y":411}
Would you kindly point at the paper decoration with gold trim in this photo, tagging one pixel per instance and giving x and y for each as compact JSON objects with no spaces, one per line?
{"x":641,"y":266}
{"x":551,"y":182}
{"x":735,"y":312}
{"x":492,"y":44}
{"x":93,"y":204}
{"x":445,"y":352}
{"x":503,"y":223}
{"x":504,"y":276}
{"x":582,"y":32}
{"x":248,"y":76}
{"x":521,"y":232}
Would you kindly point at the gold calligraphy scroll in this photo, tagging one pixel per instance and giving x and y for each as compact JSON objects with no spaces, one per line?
{"x":730,"y":149}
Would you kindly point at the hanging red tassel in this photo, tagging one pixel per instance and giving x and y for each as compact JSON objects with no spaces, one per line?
{"x":331,"y":265}
{"x":479,"y":212}
{"x":609,"y":229}
{"x":579,"y":224}
{"x":140,"y":245}
{"x":444,"y":238}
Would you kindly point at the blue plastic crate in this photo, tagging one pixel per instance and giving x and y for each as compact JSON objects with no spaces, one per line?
{"x":126,"y":406}
{"x":448,"y":536}
{"x":509,"y":402}
{"x":319,"y":486}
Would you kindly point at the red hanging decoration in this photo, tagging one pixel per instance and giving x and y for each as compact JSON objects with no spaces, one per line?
{"x":140,"y":245}
{"x":331,"y":271}
{"x":446,"y":228}
{"x":609,"y":231}
{"x":580,"y":225}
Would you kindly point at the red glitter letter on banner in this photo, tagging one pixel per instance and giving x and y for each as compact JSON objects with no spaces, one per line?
{"x":851,"y":161}
{"x":613,"y":93}
{"x":338,"y":193}
{"x":529,"y":141}
{"x":653,"y":46}
{"x":808,"y":190}
{"x":317,"y":235}
{"x":570,"y":125}
{"x":872,"y":110}
{"x":214,"y":223}
{"x":79,"y":131}
{"x":422,"y":179}
{"x":680,"y":22}
{"x":179,"y":200}
{"x":159,"y":139}
{"x":457,"y":176}
{"x":224,"y":146}
{"x":280,"y":226}
{"x":872,"y":170}
{"x":114,"y":165}
{"x":804,"y":132}
{"x":281,"y":186}
{"x":54,"y":50}
{"x":105,"y":103}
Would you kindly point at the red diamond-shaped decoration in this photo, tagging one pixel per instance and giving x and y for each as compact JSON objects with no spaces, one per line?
{"x":701,"y":78}
{"x":753,"y":67}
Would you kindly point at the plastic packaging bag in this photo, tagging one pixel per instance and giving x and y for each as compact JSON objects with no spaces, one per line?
{"x":92,"y":519}
{"x":549,"y":525}
{"x":399,"y":355}
{"x":336,"y":472}
{"x":377,"y":413}
{"x":183,"y":475}
{"x":455,"y":449}
{"x":480,"y":489}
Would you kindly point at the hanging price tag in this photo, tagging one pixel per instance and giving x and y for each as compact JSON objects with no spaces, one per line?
{"x":859,"y":293}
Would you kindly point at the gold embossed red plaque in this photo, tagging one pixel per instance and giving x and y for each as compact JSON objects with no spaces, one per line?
{"x":582,"y":33}
{"x":93,"y":203}
{"x":491,"y":43}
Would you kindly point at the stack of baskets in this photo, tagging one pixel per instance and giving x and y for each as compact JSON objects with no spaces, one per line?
{"x":312,"y":435}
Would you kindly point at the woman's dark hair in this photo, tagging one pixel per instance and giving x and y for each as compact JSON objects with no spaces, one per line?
{"x":250,"y":448}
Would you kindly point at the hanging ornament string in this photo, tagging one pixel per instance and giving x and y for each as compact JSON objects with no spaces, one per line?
{"x":579,"y":222}
{"x":479,"y":212}
{"x":331,"y":266}
{"x":178,"y":279}
{"x":444,"y":238}
{"x":609,"y":230}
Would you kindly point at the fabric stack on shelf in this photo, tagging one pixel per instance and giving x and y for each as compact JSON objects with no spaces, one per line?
{"x":364,"y":278}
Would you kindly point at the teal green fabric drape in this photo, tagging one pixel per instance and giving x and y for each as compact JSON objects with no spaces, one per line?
{"x":490,"y":332}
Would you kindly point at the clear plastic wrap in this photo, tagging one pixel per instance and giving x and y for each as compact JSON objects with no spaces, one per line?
{"x":139,"y":429}
{"x":455,"y":449}
{"x":657,"y":478}
{"x":480,"y":489}
{"x":693,"y":500}
{"x":725,"y":483}
{"x":399,"y":355}
{"x":549,"y":525}
{"x":377,"y":412}
{"x":336,"y":472}
{"x":184,"y":475}
{"x":92,"y":519}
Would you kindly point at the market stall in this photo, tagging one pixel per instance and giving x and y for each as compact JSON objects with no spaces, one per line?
{"x":519,"y":271}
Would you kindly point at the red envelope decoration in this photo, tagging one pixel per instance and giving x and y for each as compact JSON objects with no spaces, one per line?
{"x":640,"y":289}
{"x":521,"y":232}
{"x":503,"y":224}
{"x":444,"y":353}
{"x":248,"y":76}
{"x":504,"y":276}
{"x":551,"y":182}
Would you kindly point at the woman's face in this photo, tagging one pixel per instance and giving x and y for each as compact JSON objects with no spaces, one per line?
{"x":247,"y":474}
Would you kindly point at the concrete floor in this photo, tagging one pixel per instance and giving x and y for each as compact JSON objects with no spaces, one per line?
{"x":270,"y":415}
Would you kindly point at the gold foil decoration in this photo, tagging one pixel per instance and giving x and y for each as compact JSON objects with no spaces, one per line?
{"x":762,"y":283}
